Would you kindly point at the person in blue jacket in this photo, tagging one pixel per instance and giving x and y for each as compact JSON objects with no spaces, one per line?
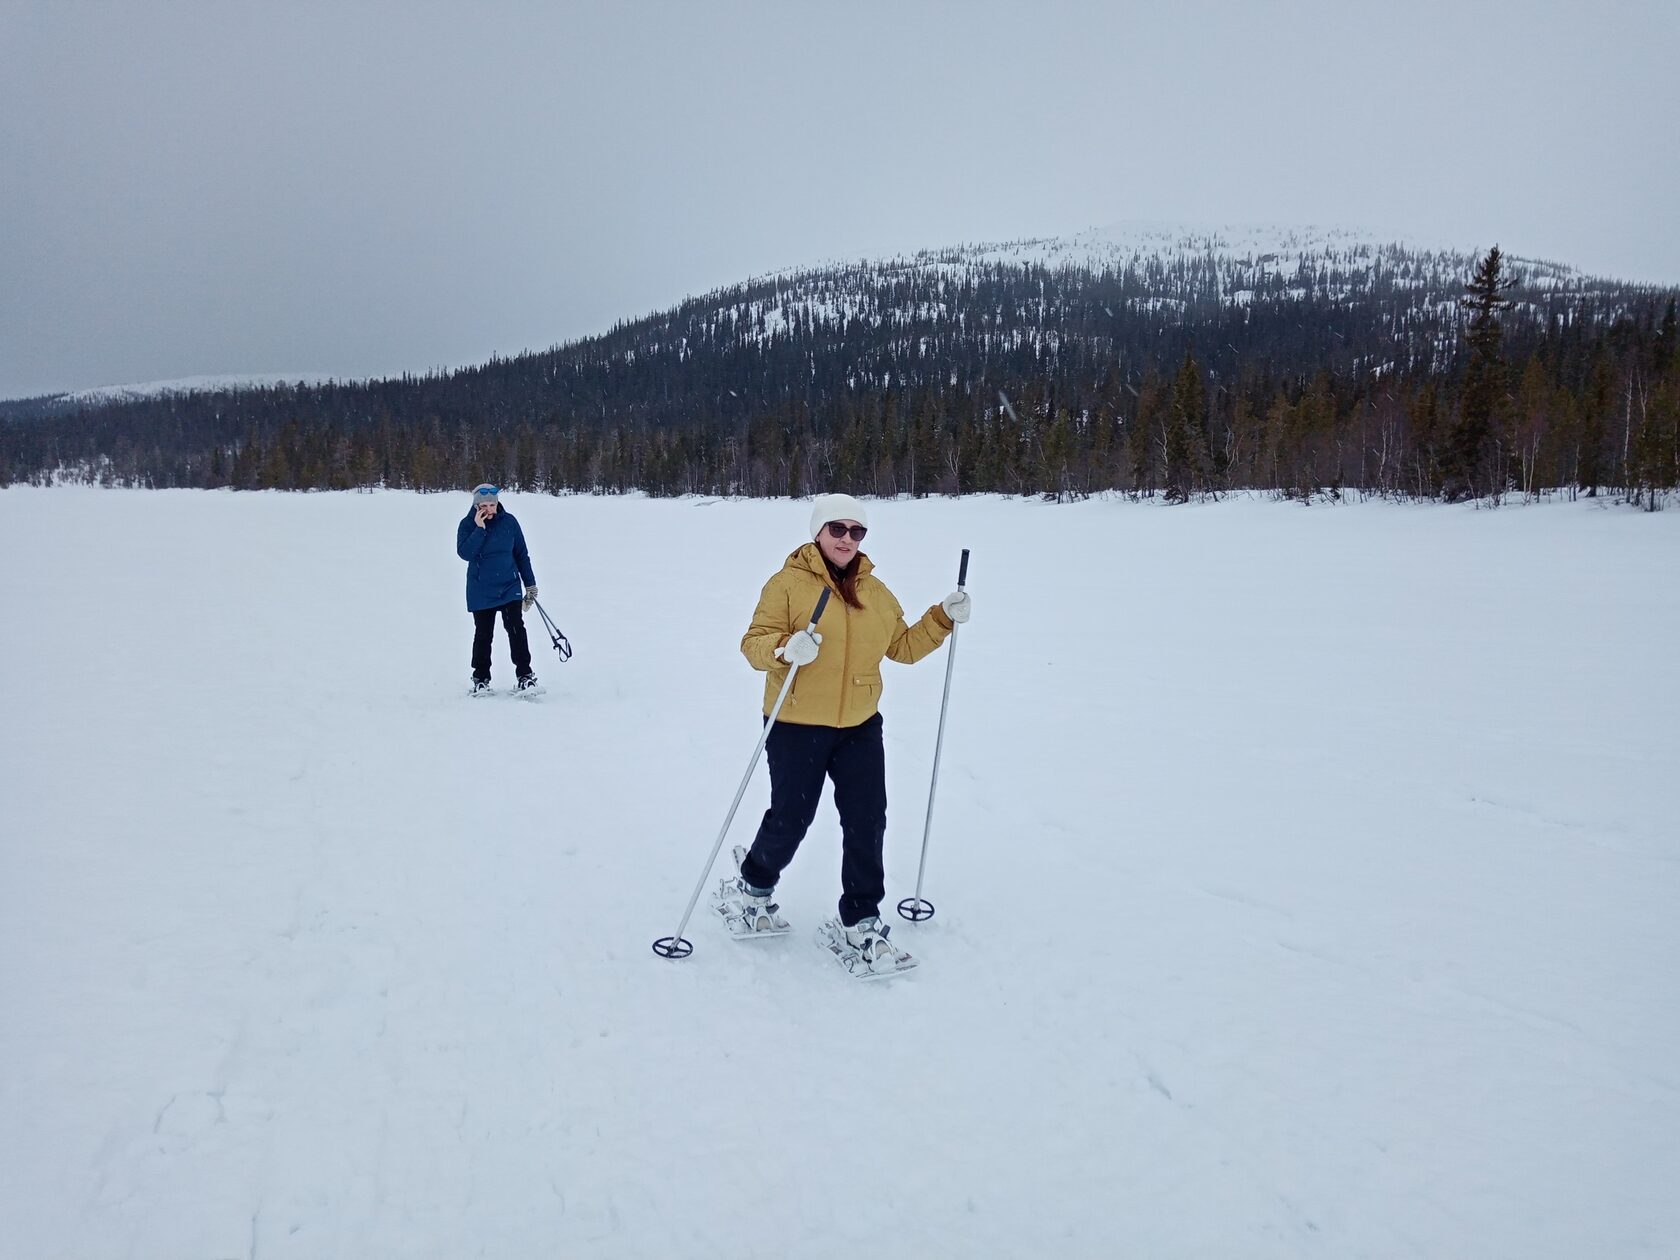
{"x":491,"y":542}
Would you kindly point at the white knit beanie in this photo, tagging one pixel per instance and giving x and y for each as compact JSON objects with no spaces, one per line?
{"x":836,"y":507}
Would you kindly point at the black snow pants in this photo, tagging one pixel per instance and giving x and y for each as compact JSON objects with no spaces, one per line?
{"x":484,"y":629}
{"x":800,"y":758}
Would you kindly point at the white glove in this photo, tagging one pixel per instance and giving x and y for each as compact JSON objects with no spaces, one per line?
{"x":530,"y":597}
{"x":957,"y":606}
{"x":801,"y":649}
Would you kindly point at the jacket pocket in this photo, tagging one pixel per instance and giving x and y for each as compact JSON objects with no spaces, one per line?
{"x":778,"y":678}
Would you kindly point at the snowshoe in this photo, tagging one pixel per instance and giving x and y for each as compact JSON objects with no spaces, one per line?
{"x":747,"y":913}
{"x":864,"y":949}
{"x":481,"y":687}
{"x":529,"y":688}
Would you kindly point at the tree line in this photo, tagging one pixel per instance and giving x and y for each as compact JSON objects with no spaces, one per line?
{"x":1017,"y":380}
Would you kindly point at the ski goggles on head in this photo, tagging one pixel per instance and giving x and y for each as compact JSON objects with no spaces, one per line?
{"x":837,"y":530}
{"x":486,"y":494}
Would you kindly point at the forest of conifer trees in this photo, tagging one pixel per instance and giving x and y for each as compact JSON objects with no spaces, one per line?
{"x":916,"y":381}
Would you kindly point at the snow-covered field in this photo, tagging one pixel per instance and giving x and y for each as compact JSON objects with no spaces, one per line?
{"x":1307,"y":882}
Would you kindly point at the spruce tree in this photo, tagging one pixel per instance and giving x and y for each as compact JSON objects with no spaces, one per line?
{"x":1184,"y":444}
{"x":1663,"y":344}
{"x":1594,"y":427}
{"x":1468,"y":449}
{"x":1141,"y":437}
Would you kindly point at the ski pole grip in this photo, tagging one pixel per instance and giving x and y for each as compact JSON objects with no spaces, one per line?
{"x":962,"y":570}
{"x":822,"y":603}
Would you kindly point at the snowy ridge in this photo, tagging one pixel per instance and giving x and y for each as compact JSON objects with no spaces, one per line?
{"x":1135,"y":242}
{"x":1151,"y":248}
{"x":1144,"y":269}
{"x":188,"y":385}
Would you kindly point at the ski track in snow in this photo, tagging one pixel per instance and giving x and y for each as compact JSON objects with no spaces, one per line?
{"x":1305,"y":886}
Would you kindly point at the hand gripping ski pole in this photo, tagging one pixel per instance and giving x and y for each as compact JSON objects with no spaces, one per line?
{"x":562,"y":644}
{"x":676,"y":945}
{"x":914,"y":908}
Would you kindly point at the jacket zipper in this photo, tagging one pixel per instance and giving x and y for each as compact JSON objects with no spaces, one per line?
{"x":845,"y":660}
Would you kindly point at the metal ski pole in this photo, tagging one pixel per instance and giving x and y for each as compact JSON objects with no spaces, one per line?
{"x":562,"y":644}
{"x":676,"y":945}
{"x":914,"y":908}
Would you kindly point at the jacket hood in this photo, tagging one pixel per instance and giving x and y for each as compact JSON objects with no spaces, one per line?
{"x":810,"y":559}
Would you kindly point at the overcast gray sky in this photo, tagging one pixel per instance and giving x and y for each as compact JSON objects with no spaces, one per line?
{"x":360,"y":189}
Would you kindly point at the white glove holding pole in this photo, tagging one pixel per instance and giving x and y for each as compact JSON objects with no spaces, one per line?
{"x":801,"y":648}
{"x":957,"y":606}
{"x":530,"y":598}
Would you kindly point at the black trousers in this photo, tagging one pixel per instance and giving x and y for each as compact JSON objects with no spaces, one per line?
{"x":800,"y":758}
{"x":484,"y":630}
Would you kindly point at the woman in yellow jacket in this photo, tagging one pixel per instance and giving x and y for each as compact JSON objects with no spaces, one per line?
{"x":829,"y":725}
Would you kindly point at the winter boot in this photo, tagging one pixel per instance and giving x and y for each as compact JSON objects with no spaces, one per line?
{"x":864,"y":949}
{"x":747,"y":911}
{"x":481,"y":687}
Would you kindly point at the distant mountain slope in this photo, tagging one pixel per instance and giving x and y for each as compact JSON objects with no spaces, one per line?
{"x":1150,"y":269}
{"x":103,"y":395}
{"x":885,"y":374}
{"x":188,"y":385}
{"x":1047,"y":291}
{"x":1242,"y":259}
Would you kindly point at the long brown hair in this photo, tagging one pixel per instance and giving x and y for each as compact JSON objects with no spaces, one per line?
{"x":846,"y":579}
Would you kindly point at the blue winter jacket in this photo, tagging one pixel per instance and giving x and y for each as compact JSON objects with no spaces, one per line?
{"x":496,"y":559}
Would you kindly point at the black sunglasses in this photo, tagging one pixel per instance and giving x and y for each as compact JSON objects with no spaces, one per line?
{"x":837,"y":530}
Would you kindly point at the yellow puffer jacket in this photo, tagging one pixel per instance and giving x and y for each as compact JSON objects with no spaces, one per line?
{"x":842,"y":687}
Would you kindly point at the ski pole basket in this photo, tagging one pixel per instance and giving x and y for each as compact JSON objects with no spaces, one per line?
{"x":916,"y":909}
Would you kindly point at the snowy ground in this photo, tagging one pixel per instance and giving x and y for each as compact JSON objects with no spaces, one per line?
{"x":1307,"y":886}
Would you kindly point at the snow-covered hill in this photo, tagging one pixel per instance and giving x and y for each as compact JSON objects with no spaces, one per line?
{"x":1159,"y":269}
{"x":1363,"y":302}
{"x":1306,"y":886}
{"x":1249,"y":249}
{"x":185,"y":385}
{"x":107,"y":395}
{"x":1164,"y":269}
